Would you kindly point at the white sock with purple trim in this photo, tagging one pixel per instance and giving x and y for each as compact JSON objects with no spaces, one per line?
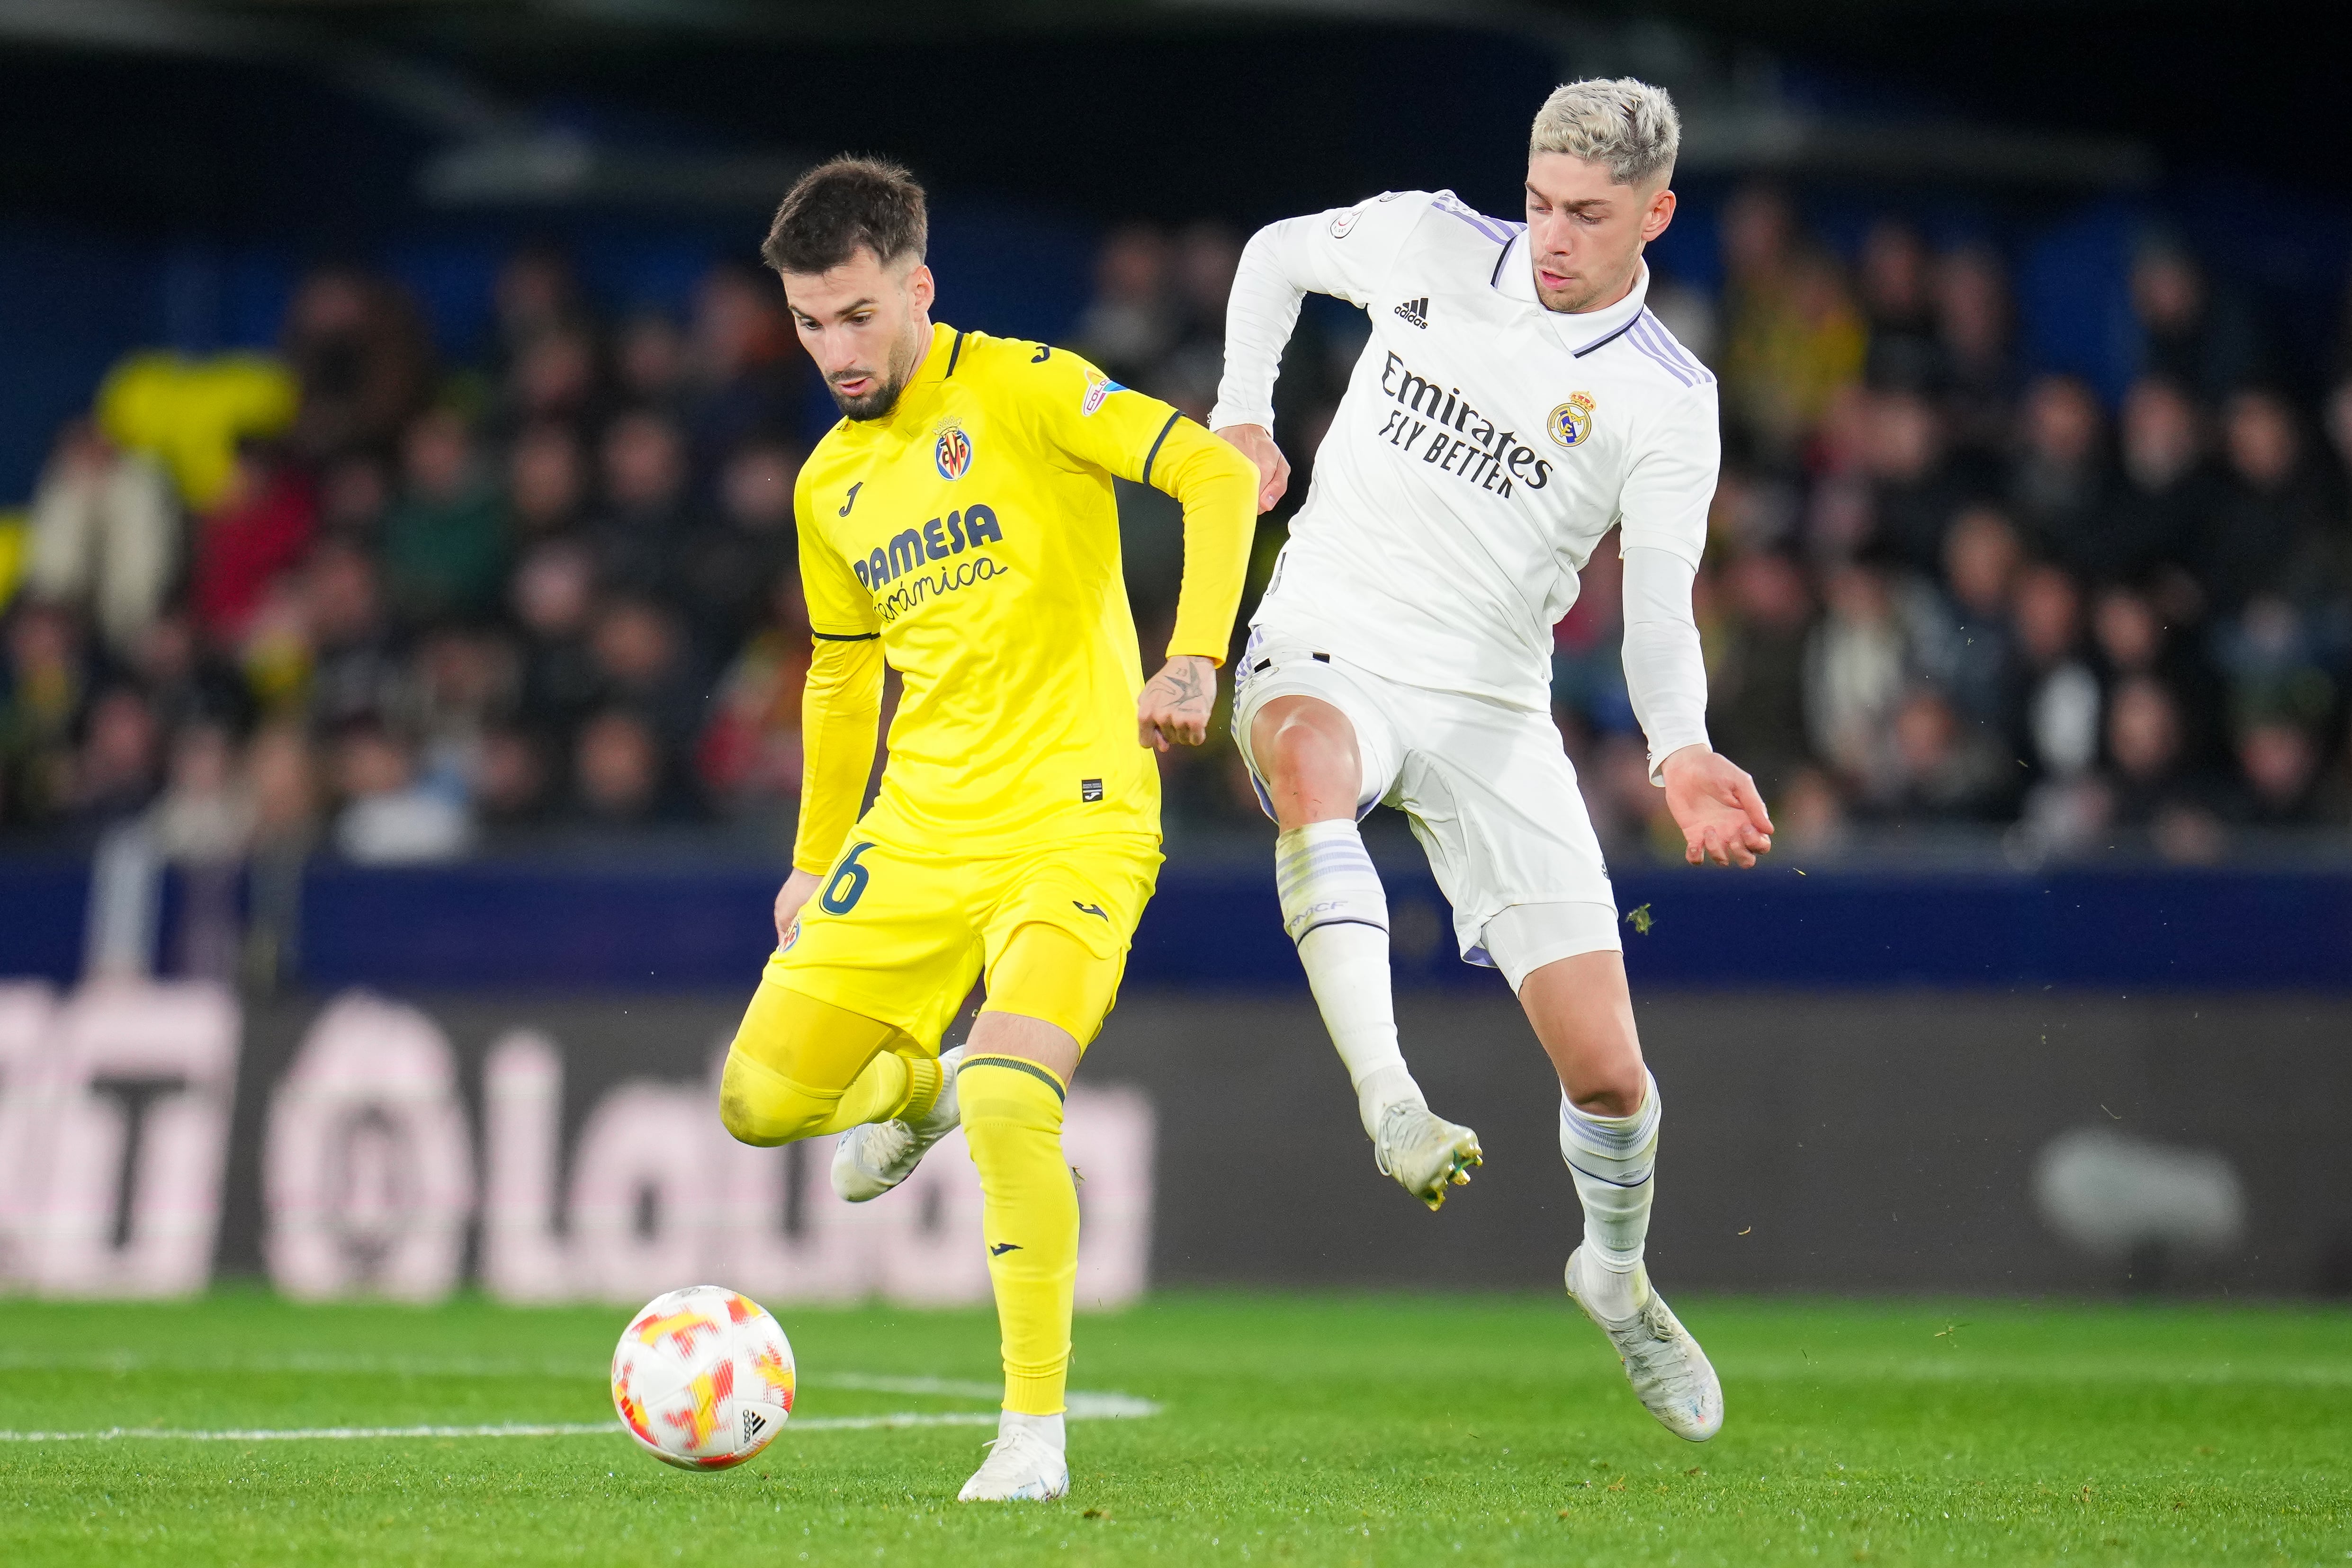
{"x":1614,"y":1161}
{"x":1334,"y":909}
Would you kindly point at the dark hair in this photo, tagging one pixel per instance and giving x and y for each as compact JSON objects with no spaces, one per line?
{"x":843,"y":205}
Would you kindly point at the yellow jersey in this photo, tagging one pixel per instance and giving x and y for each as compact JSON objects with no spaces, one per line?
{"x":971,"y":536}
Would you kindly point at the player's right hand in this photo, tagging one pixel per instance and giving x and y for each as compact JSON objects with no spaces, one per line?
{"x":1714,"y":803}
{"x":1257,"y":444}
{"x":798,"y":889}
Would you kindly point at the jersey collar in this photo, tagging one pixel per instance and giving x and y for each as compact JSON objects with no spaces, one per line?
{"x":934,"y":367}
{"x":1581,"y":333}
{"x":912,"y":410}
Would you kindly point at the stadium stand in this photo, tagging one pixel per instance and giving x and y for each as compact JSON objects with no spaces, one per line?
{"x":407,"y":599}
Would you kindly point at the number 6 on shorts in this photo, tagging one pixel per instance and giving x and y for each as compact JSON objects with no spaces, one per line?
{"x":838,"y":898}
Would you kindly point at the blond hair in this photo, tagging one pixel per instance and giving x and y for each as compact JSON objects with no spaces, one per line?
{"x":1627,"y":124}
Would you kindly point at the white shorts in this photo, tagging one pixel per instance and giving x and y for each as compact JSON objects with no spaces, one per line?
{"x":1488,"y":790}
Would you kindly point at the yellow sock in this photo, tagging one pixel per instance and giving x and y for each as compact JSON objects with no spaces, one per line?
{"x":1012,"y":1112}
{"x":801,"y":1068}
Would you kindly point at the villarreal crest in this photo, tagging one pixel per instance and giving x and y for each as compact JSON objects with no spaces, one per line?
{"x":952,"y":451}
{"x":1571,"y":422}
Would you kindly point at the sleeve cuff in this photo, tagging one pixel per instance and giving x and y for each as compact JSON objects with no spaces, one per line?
{"x":1221,"y":416}
{"x":1658,"y":756}
{"x":1187,"y":651}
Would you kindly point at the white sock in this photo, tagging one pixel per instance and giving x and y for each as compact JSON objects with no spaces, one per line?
{"x":1047,"y":1427}
{"x":1613,"y":1160}
{"x":1335,"y":910}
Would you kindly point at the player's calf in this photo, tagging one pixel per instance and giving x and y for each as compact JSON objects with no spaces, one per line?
{"x":874,"y":1156}
{"x":1335,"y":909}
{"x":1613,"y":1160}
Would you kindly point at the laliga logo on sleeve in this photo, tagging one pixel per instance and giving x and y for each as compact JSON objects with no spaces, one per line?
{"x":952,"y":451}
{"x":1571,"y":422}
{"x":1098,"y":390}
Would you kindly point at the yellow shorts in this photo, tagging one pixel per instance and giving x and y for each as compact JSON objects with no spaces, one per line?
{"x":899,"y":935}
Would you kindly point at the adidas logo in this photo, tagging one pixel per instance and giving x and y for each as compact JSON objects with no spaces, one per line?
{"x":1415,"y":311}
{"x":753,"y":1425}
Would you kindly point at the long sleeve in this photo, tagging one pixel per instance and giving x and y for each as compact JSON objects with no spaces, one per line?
{"x":1269,"y":284}
{"x":1219,"y":488}
{"x":1665,"y":670}
{"x":1098,"y":424}
{"x":1662,"y":527}
{"x":841,"y":712}
{"x":1345,"y":252}
{"x":841,"y":707}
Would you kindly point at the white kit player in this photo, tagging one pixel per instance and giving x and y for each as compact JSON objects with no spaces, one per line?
{"x":1516,"y":402}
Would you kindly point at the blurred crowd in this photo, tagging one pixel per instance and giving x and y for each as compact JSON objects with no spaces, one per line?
{"x":1946,"y":590}
{"x":349,"y":596}
{"x":352,"y":596}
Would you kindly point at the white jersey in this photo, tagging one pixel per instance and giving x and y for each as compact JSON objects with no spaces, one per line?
{"x":1485,"y":447}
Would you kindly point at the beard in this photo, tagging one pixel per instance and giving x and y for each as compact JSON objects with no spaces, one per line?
{"x":876,"y":404}
{"x":1576,"y":298}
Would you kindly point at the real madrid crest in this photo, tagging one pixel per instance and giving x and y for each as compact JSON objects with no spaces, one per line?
{"x":952,"y":451}
{"x":1571,"y":422}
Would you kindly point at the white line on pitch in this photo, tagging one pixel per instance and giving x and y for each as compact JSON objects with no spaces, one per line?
{"x":543,"y":1429}
{"x":1081,"y":1402}
{"x":109,"y":1434}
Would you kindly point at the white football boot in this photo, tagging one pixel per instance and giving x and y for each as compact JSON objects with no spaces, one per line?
{"x":870,"y":1160}
{"x":1424,"y":1152}
{"x":1021,"y":1467}
{"x":1670,"y":1375}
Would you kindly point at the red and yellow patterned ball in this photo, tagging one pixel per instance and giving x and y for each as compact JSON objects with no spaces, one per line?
{"x":703,"y":1378}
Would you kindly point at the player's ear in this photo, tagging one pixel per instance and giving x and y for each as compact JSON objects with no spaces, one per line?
{"x":921,"y":289}
{"x":1660,"y":213}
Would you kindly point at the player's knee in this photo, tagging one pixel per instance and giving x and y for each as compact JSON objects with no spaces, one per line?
{"x":1308,"y":755}
{"x":738,"y":1112}
{"x":1612,"y":1089}
{"x":1303,"y":748}
{"x":1304,"y":736}
{"x":1008,"y":1092}
{"x":760,"y":1106}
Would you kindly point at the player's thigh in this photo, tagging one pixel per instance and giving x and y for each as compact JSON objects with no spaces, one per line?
{"x":814,"y":1043}
{"x":893,"y":935}
{"x":1493,"y":799}
{"x":1276,"y":667}
{"x":1057,"y":939}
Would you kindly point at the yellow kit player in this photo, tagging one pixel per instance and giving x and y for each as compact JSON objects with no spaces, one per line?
{"x":958,"y":523}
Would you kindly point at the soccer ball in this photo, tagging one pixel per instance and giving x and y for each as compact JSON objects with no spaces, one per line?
{"x":703,"y":1378}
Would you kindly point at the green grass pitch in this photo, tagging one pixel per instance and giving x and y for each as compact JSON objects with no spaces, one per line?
{"x":1294,"y":1429}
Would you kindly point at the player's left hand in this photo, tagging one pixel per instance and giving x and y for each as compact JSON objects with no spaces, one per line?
{"x":1715,"y":804}
{"x":1175,"y":703}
